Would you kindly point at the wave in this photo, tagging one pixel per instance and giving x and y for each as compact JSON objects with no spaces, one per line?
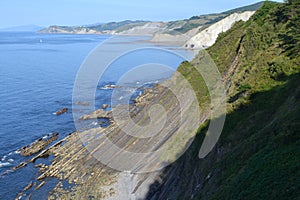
{"x":4,"y":157}
{"x":14,"y":152}
{"x":109,"y":87}
{"x":5,"y":164}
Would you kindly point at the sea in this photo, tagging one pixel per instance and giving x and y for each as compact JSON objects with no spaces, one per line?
{"x":37,"y":76}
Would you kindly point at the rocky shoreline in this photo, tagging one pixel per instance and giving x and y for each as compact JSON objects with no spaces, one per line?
{"x":73,"y":162}
{"x":74,"y":159}
{"x":38,"y":145}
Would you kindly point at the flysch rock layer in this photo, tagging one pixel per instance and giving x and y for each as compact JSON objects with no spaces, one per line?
{"x":92,"y":166}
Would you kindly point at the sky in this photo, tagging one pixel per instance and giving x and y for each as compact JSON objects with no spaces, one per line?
{"x":83,"y":12}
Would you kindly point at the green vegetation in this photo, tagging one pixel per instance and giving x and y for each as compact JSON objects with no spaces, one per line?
{"x":118,"y":25}
{"x":258,"y":154}
{"x":197,"y":83}
{"x":173,"y":27}
{"x":290,"y":14}
{"x":252,"y":7}
{"x":244,"y":88}
{"x":206,"y":20}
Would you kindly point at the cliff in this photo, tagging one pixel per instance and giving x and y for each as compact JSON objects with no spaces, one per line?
{"x":180,"y":29}
{"x":258,"y":153}
{"x":208,"y":36}
{"x":257,"y":156}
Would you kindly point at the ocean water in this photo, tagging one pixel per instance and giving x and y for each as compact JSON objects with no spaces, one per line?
{"x":37,"y":75}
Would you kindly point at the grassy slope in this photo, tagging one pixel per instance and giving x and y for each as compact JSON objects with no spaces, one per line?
{"x":258,"y":154}
{"x":207,"y":20}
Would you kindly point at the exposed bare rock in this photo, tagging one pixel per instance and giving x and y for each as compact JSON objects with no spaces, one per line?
{"x":38,"y":145}
{"x":176,"y":38}
{"x":208,"y":37}
{"x":149,"y":28}
{"x":104,"y":106}
{"x":40,"y":185}
{"x":21,"y":165}
{"x":75,"y":157}
{"x":98,"y":114}
{"x":145,"y":98}
{"x":60,"y":112}
{"x":19,"y":196}
{"x":28,"y":186}
{"x":42,"y":167}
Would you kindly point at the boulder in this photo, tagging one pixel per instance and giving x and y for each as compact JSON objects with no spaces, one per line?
{"x":62,"y":111}
{"x":104,"y":106}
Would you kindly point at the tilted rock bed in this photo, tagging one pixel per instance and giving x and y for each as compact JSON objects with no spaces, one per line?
{"x":75,"y":156}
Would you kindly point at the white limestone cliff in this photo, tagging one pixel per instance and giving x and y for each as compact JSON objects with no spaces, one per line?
{"x":208,"y":36}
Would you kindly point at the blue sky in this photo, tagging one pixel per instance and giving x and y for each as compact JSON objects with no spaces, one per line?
{"x":81,"y":12}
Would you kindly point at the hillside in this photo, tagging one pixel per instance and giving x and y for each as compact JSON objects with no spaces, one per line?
{"x":208,"y":36}
{"x":258,"y":154}
{"x":149,"y":28}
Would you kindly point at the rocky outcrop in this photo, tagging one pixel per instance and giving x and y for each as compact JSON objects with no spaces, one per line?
{"x":208,"y":36}
{"x":38,"y":145}
{"x":75,"y":164}
{"x":60,"y":112}
{"x":75,"y":156}
{"x":97,"y":115}
{"x":104,"y":106}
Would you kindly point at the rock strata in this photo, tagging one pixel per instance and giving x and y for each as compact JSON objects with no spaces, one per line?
{"x":38,"y":145}
{"x":97,"y":115}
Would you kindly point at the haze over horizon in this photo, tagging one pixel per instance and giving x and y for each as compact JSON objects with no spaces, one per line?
{"x":83,"y":12}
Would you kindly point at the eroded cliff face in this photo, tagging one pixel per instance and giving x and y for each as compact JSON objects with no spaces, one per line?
{"x":162,"y":32}
{"x":258,"y":152}
{"x":178,"y":39}
{"x":208,"y":36}
{"x":149,"y":28}
{"x":68,"y":30}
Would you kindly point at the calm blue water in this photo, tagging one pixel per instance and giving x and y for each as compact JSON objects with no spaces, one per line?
{"x":37,"y":73}
{"x":36,"y":80}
